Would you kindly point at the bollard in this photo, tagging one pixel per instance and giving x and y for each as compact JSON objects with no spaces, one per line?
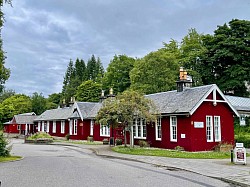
{"x":232,"y":156}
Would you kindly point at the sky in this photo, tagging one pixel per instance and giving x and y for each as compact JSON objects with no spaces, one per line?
{"x":41,"y":36}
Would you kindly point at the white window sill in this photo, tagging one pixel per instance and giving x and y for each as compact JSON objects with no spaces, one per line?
{"x":105,"y":135}
{"x":144,"y":138}
{"x":173,"y":140}
{"x":158,"y":139}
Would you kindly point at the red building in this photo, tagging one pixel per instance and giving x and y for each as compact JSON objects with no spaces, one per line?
{"x":55,"y":121}
{"x":21,"y":124}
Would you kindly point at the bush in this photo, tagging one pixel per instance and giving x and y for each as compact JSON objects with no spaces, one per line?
{"x":90,"y":139}
{"x":40,"y":135}
{"x":243,"y":138}
{"x":143,"y":143}
{"x":4,"y":151}
{"x":118,"y":141}
{"x":179,"y":148}
{"x":67,"y":137}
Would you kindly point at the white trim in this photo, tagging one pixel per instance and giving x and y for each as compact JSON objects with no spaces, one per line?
{"x":39,"y":126}
{"x":209,"y":129}
{"x":18,"y":127}
{"x":217,"y":129}
{"x":47,"y":126}
{"x":75,"y":127}
{"x":213,"y":88}
{"x":104,"y":130}
{"x":54,"y":127}
{"x":91,"y":127}
{"x":70,"y":127}
{"x":42,"y":126}
{"x":158,"y":129}
{"x":172,"y":129}
{"x":62,"y":127}
{"x":139,"y":128}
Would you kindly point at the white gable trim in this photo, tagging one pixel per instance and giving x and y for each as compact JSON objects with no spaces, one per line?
{"x":213,"y":89}
{"x":78,"y":110}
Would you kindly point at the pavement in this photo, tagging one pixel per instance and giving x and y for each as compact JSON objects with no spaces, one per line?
{"x":222,"y":169}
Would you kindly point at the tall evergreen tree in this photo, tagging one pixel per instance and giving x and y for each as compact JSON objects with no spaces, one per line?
{"x":80,"y":69}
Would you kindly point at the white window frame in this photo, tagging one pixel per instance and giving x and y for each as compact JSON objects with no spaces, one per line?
{"x":42,"y":126}
{"x":173,"y":129}
{"x":18,"y":127}
{"x":75,"y":127}
{"x":54,"y":127}
{"x":62,"y":127}
{"x":209,"y":129}
{"x":158,"y":132}
{"x":217,"y":129}
{"x":70,"y":126}
{"x":39,"y":126}
{"x":47,"y":126}
{"x":91,"y":128}
{"x":104,"y":130}
{"x":139,"y":128}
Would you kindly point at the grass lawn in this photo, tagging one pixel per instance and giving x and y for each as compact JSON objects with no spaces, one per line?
{"x":9,"y":158}
{"x":171,"y":153}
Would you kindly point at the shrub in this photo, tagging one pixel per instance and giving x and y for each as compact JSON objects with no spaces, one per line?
{"x":118,"y":141}
{"x":90,"y":139}
{"x":243,"y":138}
{"x":40,"y":135}
{"x":179,"y":148}
{"x":143,"y":143}
{"x":4,"y":151}
{"x":67,"y":137}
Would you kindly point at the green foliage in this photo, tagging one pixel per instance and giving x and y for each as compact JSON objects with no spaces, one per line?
{"x":227,"y":61}
{"x":89,"y":91}
{"x":54,"y":98}
{"x":118,"y":141}
{"x":4,"y":72}
{"x":143,"y":143}
{"x":157,"y":71}
{"x":13,"y":105}
{"x":6,"y":94}
{"x":67,"y":137}
{"x":40,"y":135}
{"x":4,"y":151}
{"x":94,"y":69}
{"x":117,"y":74}
{"x":38,"y":103}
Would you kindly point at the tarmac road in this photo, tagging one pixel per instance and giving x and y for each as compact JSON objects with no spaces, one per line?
{"x":55,"y":165}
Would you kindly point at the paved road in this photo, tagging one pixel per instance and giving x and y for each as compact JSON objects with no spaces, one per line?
{"x":53,"y":165}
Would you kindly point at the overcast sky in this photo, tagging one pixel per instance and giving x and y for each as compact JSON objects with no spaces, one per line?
{"x":41,"y":36}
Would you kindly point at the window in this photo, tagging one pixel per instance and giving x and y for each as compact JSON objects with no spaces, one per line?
{"x":104,"y":130}
{"x":39,"y":126}
{"x":47,"y":126}
{"x":75,"y":127}
{"x":158,"y":129}
{"x":209,"y":128}
{"x":139,"y":128}
{"x":54,"y":127}
{"x":91,"y":127}
{"x":70,"y":127}
{"x":173,"y":129}
{"x":217,"y":129}
{"x":18,"y":127}
{"x":62,"y":127}
{"x":42,"y":126}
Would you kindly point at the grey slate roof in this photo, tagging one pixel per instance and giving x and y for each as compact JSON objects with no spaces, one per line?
{"x":55,"y":114}
{"x":88,"y":110}
{"x":239,"y":103}
{"x":179,"y":102}
{"x":26,"y":118}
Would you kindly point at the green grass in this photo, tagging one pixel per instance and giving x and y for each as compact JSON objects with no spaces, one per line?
{"x":171,"y":153}
{"x":9,"y":158}
{"x":80,"y":142}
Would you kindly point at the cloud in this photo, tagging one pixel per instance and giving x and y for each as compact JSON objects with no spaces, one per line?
{"x":40,"y":37}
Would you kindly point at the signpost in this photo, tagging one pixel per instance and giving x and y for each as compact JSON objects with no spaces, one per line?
{"x":240,"y":154}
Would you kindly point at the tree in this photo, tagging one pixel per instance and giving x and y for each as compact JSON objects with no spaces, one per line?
{"x":6,"y":94}
{"x":192,"y":51}
{"x":4,"y":72}
{"x":55,"y":99}
{"x":38,"y":103}
{"x":117,"y":74}
{"x":124,"y":108}
{"x":4,"y":151}
{"x":227,"y":61}
{"x":80,"y":69}
{"x":94,"y":70}
{"x":14,"y":105}
{"x":89,"y":91}
{"x":157,"y":71}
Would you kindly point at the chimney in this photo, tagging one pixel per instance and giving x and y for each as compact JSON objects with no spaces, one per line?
{"x":72,"y":101}
{"x":111,"y":93}
{"x":183,"y":81}
{"x":102,"y":98}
